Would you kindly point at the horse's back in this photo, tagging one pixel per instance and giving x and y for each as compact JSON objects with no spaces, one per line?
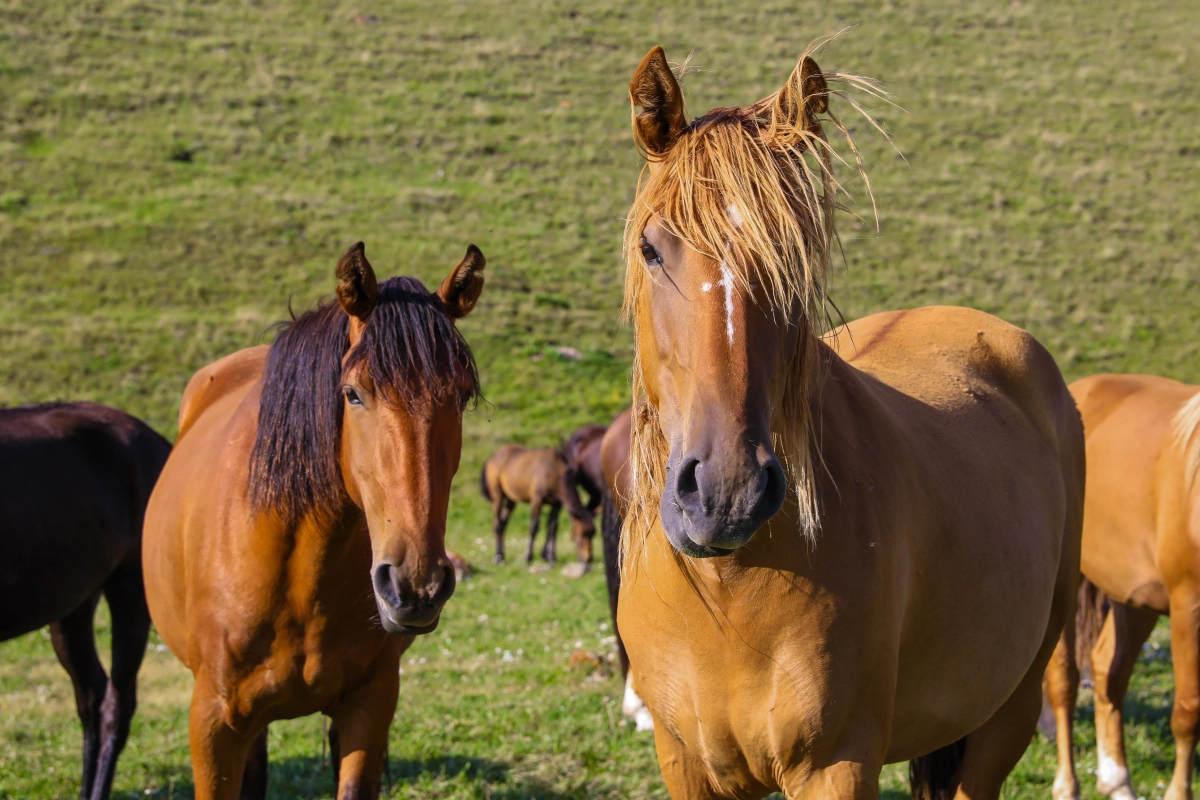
{"x":1138,"y":502}
{"x":216,"y":380}
{"x":74,"y":482}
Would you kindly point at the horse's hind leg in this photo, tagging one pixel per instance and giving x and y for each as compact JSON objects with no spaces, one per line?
{"x":1060,"y":689}
{"x":130,"y":629}
{"x":75,"y":645}
{"x":1125,"y":631}
{"x":535,"y":518}
{"x":550,"y":548}
{"x":1185,"y":716}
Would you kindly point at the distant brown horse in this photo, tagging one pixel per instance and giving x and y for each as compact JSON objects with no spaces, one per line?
{"x":74,"y":481}
{"x":1141,"y":550}
{"x":295,"y":543}
{"x":840,"y":551}
{"x":515,"y":474}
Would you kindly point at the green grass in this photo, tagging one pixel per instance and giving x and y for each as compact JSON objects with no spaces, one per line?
{"x":172,"y":174}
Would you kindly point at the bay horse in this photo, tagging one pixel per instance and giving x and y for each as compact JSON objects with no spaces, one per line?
{"x":516,"y":474}
{"x":295,"y":544}
{"x":840,"y":551}
{"x":74,"y":481}
{"x":1141,"y":559}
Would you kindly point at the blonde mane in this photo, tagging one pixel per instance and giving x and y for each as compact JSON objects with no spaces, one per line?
{"x":1187,"y":423}
{"x":753,"y":187}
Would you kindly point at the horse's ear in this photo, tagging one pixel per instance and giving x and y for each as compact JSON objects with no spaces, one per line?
{"x":460,"y":291}
{"x":662,"y":118}
{"x":357,"y":288}
{"x":802,"y":98}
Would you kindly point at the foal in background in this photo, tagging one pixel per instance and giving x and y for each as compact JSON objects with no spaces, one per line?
{"x":74,"y":481}
{"x":515,"y":474}
{"x":1141,"y":558}
{"x":295,"y":544}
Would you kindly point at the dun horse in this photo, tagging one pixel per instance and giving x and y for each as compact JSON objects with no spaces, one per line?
{"x":516,"y":474}
{"x":74,"y":481}
{"x":295,"y":543}
{"x":839,"y":552}
{"x":1141,"y":549}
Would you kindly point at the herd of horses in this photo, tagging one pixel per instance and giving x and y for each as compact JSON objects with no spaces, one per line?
{"x":828,"y":548}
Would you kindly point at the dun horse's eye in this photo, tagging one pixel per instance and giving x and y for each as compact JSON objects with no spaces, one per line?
{"x":652,"y":256}
{"x":351,"y":396}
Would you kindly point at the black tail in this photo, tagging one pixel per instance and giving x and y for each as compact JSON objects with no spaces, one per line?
{"x":483,"y":487}
{"x":1090,"y":613}
{"x":610,"y":531}
{"x":936,"y":776}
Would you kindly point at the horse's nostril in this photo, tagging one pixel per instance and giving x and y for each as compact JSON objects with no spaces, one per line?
{"x":384,"y":580}
{"x":773,"y":492}
{"x":685,"y":483}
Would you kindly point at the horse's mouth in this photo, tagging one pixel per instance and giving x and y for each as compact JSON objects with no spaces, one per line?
{"x":414,"y":628}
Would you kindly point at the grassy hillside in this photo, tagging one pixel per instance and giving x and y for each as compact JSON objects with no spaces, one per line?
{"x":173,"y":174}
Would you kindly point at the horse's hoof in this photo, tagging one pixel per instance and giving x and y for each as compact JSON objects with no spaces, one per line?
{"x":497,"y":559}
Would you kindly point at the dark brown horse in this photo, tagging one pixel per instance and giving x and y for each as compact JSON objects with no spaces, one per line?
{"x":516,"y":474}
{"x":295,"y":544}
{"x":74,"y":481}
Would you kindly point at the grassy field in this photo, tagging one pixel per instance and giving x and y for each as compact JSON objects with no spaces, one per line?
{"x":173,"y":174}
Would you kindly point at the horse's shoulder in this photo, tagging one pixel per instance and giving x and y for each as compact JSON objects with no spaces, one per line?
{"x":217,"y":380}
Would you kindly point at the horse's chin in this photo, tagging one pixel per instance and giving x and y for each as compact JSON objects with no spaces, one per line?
{"x":392,"y":625}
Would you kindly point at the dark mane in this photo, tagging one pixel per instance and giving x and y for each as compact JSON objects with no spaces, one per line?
{"x":410,"y":351}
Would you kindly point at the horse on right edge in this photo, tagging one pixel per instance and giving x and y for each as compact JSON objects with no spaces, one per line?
{"x":1140,"y":559}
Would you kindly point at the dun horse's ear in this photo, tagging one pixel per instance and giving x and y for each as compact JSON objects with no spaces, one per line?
{"x":357,"y":288}
{"x":460,"y":291}
{"x":802,"y":98}
{"x":662,"y":118}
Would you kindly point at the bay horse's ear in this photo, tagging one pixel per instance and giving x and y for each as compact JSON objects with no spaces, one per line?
{"x":460,"y":291}
{"x":802,"y":98}
{"x":357,"y":288}
{"x":662,"y":118}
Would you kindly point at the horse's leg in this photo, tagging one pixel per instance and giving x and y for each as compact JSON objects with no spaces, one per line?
{"x":219,"y":753}
{"x":130,"y":629}
{"x":362,"y":720}
{"x":75,"y":645}
{"x":685,"y":775}
{"x":254,"y":776}
{"x":535,"y":518}
{"x":550,"y":548}
{"x":1060,"y":687}
{"x":1185,"y":657}
{"x":502,"y":509}
{"x":1113,"y":657}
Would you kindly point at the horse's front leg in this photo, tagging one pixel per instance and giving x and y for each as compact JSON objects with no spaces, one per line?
{"x":218,"y":751}
{"x":362,"y":720}
{"x":535,"y":518}
{"x":550,"y":548}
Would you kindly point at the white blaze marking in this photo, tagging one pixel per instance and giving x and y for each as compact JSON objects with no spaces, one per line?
{"x":727,"y":282}
{"x":707,"y":287}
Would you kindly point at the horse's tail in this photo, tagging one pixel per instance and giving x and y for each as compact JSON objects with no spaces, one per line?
{"x":1092,"y":610}
{"x":483,"y":487}
{"x":935,"y":776}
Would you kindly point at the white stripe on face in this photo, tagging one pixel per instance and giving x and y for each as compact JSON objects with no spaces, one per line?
{"x":727,"y":282}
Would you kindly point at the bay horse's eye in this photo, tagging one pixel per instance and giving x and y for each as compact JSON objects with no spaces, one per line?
{"x":351,"y":396}
{"x":652,"y":256}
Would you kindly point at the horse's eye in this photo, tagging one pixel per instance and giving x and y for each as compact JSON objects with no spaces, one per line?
{"x":652,"y":256}
{"x":351,"y":396}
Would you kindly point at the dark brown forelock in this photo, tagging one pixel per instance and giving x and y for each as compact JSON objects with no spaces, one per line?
{"x":410,"y":351}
